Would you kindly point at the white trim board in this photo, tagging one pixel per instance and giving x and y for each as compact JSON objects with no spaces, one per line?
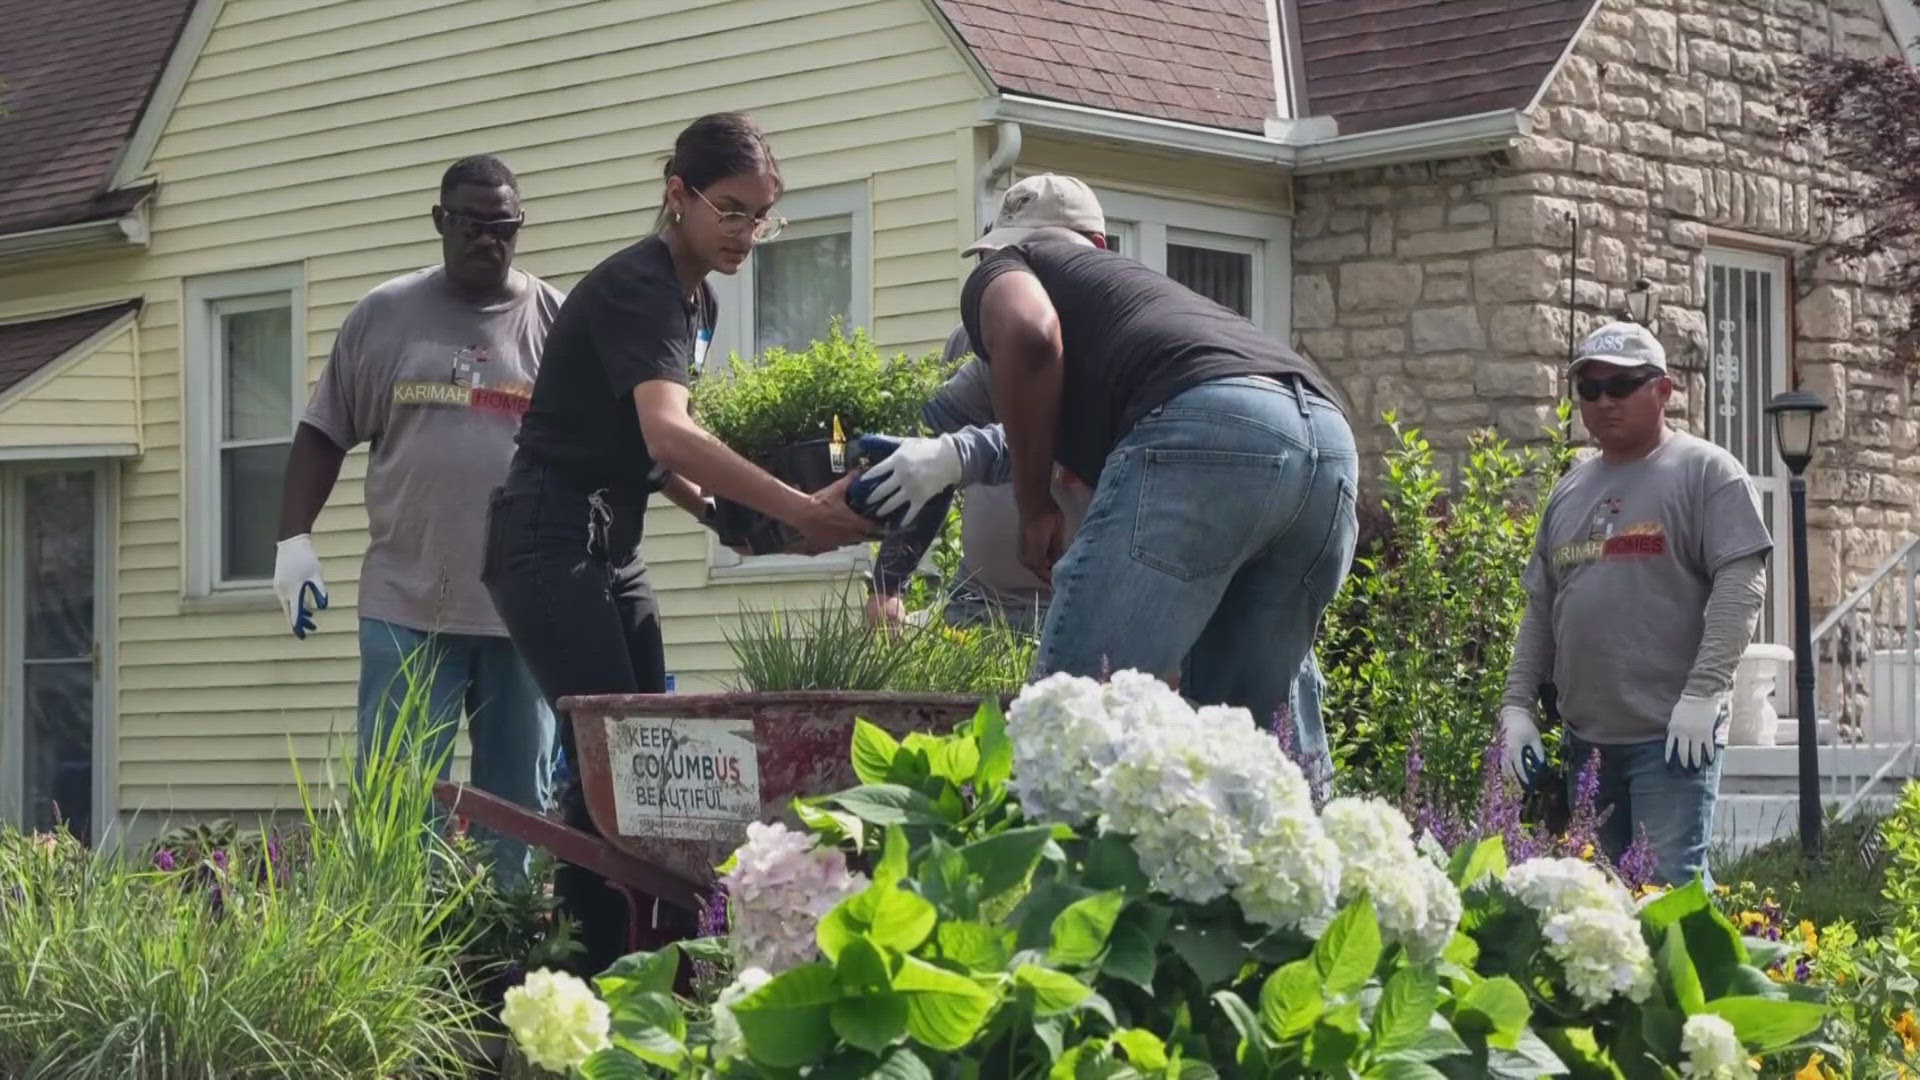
{"x":1903,"y":18}
{"x":137,"y":152}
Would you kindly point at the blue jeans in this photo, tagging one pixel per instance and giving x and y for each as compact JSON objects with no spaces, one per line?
{"x":1222,"y":526}
{"x":508,"y":721}
{"x":1645,"y":790}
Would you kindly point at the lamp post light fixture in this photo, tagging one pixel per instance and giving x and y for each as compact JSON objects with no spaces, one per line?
{"x":1793,"y":414}
{"x":1642,"y":304}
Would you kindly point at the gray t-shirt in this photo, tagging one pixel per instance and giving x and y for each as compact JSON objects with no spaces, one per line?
{"x":1626,"y":556}
{"x":438,"y":386}
{"x":989,"y":517}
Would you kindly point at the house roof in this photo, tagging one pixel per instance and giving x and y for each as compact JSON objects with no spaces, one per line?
{"x":27,"y":347}
{"x":1370,"y":64}
{"x":1200,"y":61}
{"x":74,"y":78}
{"x":1376,"y":64}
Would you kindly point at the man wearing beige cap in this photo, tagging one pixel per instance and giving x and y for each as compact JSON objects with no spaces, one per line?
{"x":1647,"y":574}
{"x":971,"y":451}
{"x":1223,"y":468}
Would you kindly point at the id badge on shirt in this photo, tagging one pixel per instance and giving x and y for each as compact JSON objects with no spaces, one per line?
{"x":701,"y":342}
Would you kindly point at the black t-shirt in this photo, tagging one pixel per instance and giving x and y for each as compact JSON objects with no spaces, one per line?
{"x":626,"y":322}
{"x":1133,"y":338}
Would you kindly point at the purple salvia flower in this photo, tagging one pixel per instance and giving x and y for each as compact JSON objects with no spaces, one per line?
{"x":1638,"y":864}
{"x":220,"y":859}
{"x":713,"y":913}
{"x":163,"y":859}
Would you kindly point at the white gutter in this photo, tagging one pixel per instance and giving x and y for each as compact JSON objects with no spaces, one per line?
{"x":1435,"y":140}
{"x":1006,"y":152}
{"x":130,"y":229}
{"x":1305,"y":151}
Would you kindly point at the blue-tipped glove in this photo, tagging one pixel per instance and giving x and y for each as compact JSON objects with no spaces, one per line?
{"x":1525,"y":755}
{"x":297,"y":582}
{"x":914,"y":473}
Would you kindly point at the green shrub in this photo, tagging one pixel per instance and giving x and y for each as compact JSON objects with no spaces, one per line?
{"x":785,"y":396}
{"x":830,"y":647}
{"x":1417,"y":647}
{"x":328,"y":954}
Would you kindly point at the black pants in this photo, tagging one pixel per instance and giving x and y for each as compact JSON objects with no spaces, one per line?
{"x":564,"y":569}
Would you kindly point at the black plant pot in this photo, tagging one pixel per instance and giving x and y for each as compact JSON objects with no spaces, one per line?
{"x":807,"y":466}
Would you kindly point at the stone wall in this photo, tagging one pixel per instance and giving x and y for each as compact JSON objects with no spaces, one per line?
{"x":1442,"y":290}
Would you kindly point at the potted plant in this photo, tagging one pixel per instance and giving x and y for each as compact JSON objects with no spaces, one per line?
{"x":780,"y":412}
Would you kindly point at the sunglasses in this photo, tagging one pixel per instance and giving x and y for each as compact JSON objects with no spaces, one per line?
{"x":735,"y":222}
{"x":473,"y":228}
{"x":1618,"y":387}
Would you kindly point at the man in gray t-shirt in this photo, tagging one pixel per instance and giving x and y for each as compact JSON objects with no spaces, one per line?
{"x":434,"y":368}
{"x":1647,"y":575}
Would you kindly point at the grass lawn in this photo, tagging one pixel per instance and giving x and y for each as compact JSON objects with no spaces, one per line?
{"x":1844,"y":885}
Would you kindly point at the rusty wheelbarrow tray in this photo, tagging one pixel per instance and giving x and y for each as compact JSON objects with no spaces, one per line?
{"x":673,"y":780}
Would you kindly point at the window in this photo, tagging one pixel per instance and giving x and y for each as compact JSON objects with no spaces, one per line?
{"x":1237,"y":258}
{"x":791,"y":290}
{"x":1746,"y":336}
{"x":787,"y":296}
{"x":245,"y":361}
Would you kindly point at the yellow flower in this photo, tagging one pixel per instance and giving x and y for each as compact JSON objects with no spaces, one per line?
{"x":1724,"y":890}
{"x":1908,"y":1030}
{"x":1587,"y":853}
{"x":1752,"y":920}
{"x":1816,"y":1068}
{"x":1810,"y":936}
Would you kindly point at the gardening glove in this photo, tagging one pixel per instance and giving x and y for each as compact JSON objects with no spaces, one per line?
{"x":1692,"y":731}
{"x":919,"y":470}
{"x":1525,"y":754}
{"x":296,"y":581}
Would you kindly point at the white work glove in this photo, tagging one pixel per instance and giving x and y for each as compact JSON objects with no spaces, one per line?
{"x":1693,"y":729}
{"x":1525,"y":754}
{"x":919,"y":470}
{"x":296,"y":571}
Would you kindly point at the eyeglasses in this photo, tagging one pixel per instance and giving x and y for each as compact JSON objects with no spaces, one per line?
{"x":735,"y":222}
{"x":1620,"y":386}
{"x":473,"y":228}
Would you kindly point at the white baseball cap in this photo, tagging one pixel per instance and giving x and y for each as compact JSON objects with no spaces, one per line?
{"x":1622,"y":344}
{"x":1047,"y":201}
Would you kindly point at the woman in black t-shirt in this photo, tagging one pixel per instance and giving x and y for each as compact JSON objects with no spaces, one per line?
{"x":609,"y":425}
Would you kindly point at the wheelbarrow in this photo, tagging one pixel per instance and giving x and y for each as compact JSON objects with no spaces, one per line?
{"x":672,"y":781}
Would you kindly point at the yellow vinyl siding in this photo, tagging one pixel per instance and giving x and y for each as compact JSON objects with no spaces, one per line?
{"x":315,"y":135}
{"x":88,"y":401}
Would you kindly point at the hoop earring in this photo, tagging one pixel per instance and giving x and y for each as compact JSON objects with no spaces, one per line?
{"x":676,"y":217}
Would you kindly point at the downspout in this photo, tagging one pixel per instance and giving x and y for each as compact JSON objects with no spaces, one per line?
{"x":1006,"y":151}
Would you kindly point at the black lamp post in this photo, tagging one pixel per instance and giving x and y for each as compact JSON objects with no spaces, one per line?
{"x":1793,"y":413}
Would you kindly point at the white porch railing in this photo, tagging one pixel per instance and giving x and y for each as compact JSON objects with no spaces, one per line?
{"x":1867,"y":682}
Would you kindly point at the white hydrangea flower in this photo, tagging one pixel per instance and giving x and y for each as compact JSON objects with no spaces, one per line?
{"x":1293,"y":874}
{"x":1161,"y":793}
{"x":728,"y":1040}
{"x":1417,"y":905}
{"x":1062,"y":738}
{"x":1601,"y":953}
{"x":781,"y":884}
{"x":1713,"y":1050}
{"x":556,"y":1020}
{"x":1557,"y":886}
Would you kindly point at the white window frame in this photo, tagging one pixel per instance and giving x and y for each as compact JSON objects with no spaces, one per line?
{"x":1771,"y":480}
{"x":1146,"y":224}
{"x":206,"y":298}
{"x":13,"y":704}
{"x":805,"y":210}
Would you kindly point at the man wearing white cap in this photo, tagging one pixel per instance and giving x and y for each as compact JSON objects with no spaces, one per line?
{"x":1647,"y":575}
{"x":971,"y":450}
{"x":1223,"y":468}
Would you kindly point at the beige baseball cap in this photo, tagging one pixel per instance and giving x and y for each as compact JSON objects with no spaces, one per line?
{"x":1047,"y":201}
